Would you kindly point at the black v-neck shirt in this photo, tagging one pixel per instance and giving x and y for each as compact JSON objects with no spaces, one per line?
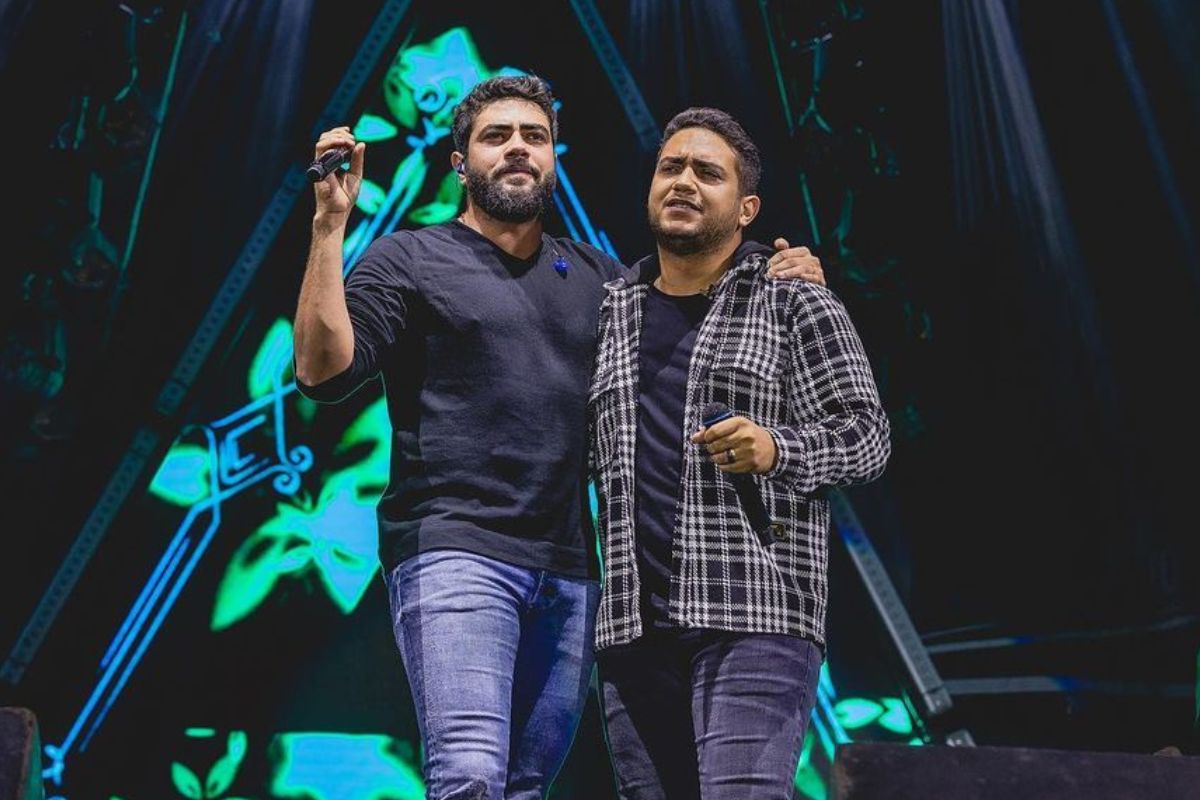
{"x":486,"y":360}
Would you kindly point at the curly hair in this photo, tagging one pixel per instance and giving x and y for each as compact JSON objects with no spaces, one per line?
{"x":505,"y":87}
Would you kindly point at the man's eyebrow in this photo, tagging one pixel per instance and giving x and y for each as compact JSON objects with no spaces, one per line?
{"x":713,"y":165}
{"x":699,"y":162}
{"x":507,"y":126}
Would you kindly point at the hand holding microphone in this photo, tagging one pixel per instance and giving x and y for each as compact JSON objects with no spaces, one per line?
{"x":327,"y":162}
{"x":737,"y":449}
{"x":336,"y":191}
{"x":736,"y":444}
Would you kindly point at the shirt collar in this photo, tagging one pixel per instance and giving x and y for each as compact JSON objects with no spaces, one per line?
{"x":645,"y":270}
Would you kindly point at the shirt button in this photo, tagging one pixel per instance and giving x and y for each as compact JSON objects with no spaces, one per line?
{"x":778,"y":532}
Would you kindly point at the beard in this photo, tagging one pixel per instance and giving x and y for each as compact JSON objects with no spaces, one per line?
{"x":510,"y":204}
{"x":704,"y":239}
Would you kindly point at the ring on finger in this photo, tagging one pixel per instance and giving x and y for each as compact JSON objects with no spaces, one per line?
{"x":730,"y":456}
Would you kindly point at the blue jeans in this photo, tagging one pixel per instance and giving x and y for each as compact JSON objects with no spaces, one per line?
{"x":707,"y":714}
{"x":499,"y":660}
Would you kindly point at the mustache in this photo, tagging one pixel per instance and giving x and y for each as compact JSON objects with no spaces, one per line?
{"x":682,"y":200}
{"x":517,"y":167}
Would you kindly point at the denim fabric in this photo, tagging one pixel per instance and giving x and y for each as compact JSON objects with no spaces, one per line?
{"x":709,"y":715}
{"x":499,"y":660}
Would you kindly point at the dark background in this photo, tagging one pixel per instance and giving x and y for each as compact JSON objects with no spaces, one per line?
{"x":1038,"y":507}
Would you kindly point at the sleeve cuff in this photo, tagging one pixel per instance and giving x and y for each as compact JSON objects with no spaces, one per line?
{"x":787,"y":452}
{"x":330,"y":390}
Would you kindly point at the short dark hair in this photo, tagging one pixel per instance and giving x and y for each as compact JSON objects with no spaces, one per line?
{"x":714,"y":119}
{"x":505,"y":87}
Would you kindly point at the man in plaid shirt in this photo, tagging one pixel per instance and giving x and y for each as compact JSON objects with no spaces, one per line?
{"x":711,"y":633}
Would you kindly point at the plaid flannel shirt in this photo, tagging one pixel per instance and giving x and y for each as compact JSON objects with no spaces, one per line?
{"x":784,"y":354}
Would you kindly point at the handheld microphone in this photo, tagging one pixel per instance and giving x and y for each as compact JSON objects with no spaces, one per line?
{"x":747,"y":490}
{"x":327,"y":162}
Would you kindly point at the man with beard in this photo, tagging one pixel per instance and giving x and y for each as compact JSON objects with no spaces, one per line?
{"x":484,"y":331}
{"x":711,"y":628}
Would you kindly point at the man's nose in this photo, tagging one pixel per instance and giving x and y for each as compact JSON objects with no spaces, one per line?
{"x":684,"y":183}
{"x":516,"y":149}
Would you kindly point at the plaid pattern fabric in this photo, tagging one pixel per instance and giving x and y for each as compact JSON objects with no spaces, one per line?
{"x":785,"y":355}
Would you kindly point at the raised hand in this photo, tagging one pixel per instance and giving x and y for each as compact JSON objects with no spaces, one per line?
{"x":337,"y":192}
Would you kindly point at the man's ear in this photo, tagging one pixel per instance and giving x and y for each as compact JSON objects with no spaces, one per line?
{"x":751,"y":203}
{"x":459,"y":164}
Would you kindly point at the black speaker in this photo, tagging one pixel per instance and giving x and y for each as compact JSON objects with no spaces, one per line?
{"x":20,"y":756}
{"x":885,"y":771}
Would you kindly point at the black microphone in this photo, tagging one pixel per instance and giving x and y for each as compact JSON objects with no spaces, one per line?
{"x":747,"y":490}
{"x":327,"y":162}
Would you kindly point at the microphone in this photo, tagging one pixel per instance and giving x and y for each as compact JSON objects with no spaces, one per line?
{"x":747,"y":490}
{"x":328,"y":161}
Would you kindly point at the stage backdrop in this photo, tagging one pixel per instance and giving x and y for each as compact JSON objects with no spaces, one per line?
{"x":231,"y":639}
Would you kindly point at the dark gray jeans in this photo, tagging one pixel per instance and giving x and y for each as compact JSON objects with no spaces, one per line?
{"x":707,"y":714}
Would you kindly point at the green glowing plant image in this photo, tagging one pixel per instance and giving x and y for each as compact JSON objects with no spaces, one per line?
{"x":370,"y":197}
{"x":372,"y":429}
{"x":220,"y":775}
{"x":272,"y":364}
{"x":895,"y":717}
{"x":339,"y":766}
{"x":444,"y":206}
{"x":809,"y":782}
{"x":200,"y":733}
{"x":889,"y":713}
{"x":183,"y":477}
{"x":335,"y":538}
{"x":428,"y":80}
{"x":372,"y":128}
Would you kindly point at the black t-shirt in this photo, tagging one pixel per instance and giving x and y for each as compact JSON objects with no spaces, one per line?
{"x":669,"y":328}
{"x":486,"y":359}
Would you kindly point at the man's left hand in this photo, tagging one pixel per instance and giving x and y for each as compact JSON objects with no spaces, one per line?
{"x":737,"y":445}
{"x":795,"y":262}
